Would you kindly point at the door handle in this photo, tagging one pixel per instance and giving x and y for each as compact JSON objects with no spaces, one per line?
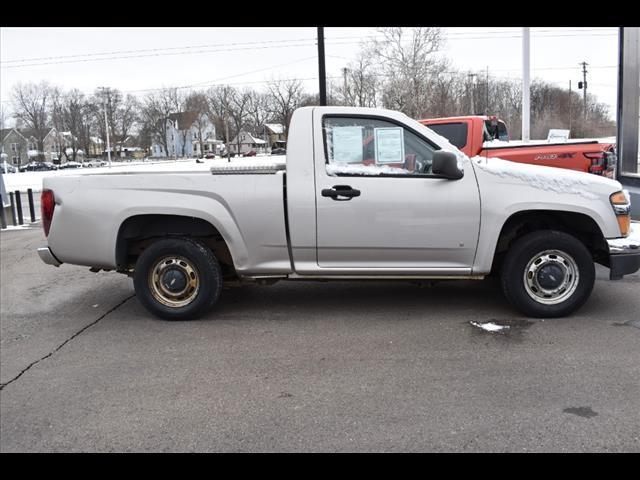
{"x":341,"y":191}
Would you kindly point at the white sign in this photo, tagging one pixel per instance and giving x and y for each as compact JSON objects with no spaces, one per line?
{"x":347,"y":144}
{"x":557,"y":135}
{"x":389,"y":145}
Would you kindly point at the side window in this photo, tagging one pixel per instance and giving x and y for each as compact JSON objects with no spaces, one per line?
{"x":369,"y":146}
{"x":456,"y":133}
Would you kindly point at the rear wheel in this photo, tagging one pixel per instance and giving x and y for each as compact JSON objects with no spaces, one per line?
{"x":177,"y":279}
{"x":547,"y":274}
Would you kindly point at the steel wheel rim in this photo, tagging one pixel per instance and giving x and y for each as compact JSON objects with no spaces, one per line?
{"x":555,"y":261}
{"x":179,"y":269}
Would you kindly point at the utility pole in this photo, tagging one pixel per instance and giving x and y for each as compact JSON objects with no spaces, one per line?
{"x":487,"y":112}
{"x":106,"y":122}
{"x":472,"y":76}
{"x":583,"y":86}
{"x":569,"y":107}
{"x":344,"y":74}
{"x":526,"y":85}
{"x":226,"y":124}
{"x":321,"y":71}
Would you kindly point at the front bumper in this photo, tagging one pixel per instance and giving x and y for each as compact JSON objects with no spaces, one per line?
{"x":624,"y":253}
{"x":48,"y":257}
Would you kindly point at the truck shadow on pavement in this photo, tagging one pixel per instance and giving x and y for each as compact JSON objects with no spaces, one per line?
{"x":395,"y":299}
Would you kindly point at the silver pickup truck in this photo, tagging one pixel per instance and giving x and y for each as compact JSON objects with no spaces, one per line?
{"x":363,"y":194}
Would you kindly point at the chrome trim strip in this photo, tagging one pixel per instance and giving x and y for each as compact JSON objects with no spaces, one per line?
{"x":628,"y":244}
{"x":622,"y":209}
{"x":47,"y":257}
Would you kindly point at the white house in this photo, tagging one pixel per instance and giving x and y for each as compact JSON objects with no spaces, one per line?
{"x":274,"y":135}
{"x":188,"y":135}
{"x":247,"y":142}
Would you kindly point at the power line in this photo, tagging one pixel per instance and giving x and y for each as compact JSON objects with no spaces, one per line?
{"x":186,"y":47}
{"x":116,"y":52}
{"x":247,"y":46}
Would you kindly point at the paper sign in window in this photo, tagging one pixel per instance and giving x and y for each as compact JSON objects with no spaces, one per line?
{"x":347,"y":144}
{"x":389,"y":144}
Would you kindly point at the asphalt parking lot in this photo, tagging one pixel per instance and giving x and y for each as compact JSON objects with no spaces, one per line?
{"x":341,"y":366}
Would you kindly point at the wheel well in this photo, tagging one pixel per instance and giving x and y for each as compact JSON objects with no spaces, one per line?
{"x":138,"y":232}
{"x":581,"y":226}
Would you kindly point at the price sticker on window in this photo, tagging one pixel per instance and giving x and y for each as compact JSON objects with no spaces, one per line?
{"x":389,"y":145}
{"x":347,"y":144}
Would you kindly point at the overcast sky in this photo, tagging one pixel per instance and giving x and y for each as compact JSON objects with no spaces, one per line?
{"x":86,"y":58}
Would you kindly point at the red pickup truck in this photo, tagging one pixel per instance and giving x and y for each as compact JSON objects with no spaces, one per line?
{"x":487,"y":136}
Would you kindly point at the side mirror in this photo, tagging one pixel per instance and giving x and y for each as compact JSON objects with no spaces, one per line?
{"x":446,"y":164}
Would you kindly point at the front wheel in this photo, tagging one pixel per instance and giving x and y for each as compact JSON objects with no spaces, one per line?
{"x":177,"y":279}
{"x":548,"y":274}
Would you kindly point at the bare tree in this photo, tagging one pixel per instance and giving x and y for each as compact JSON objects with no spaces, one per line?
{"x":360,"y":82}
{"x":219,"y":99}
{"x":258,"y":111}
{"x":408,"y":60}
{"x":155,"y":110}
{"x":286,"y":96}
{"x":126,"y":117}
{"x":3,"y":118}
{"x":239,"y":111}
{"x":32,"y":104}
{"x":70,"y":114}
{"x":197,"y":103}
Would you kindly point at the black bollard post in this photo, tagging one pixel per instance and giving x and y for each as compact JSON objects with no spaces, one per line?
{"x":13,"y":210}
{"x":19,"y":206}
{"x":3,"y":217}
{"x":32,"y":210}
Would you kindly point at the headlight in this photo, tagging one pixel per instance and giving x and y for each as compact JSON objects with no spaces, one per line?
{"x":621,"y":204}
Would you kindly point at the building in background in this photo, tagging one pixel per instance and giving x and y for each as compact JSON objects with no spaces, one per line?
{"x":13,"y":148}
{"x":51,"y":143}
{"x":245,"y":142}
{"x":188,"y":135}
{"x":274,"y":135}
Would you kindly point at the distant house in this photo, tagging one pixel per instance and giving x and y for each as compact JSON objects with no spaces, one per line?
{"x":187,"y":135}
{"x":96,"y":147}
{"x":68,"y":140}
{"x":52,"y":145}
{"x":247,"y":142}
{"x":274,"y":135}
{"x":13,"y":147}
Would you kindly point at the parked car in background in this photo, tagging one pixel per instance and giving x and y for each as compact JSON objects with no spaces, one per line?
{"x":250,"y":153}
{"x":38,"y":167}
{"x":66,"y":165}
{"x":10,"y":168}
{"x":278,"y":151}
{"x":94,"y":163}
{"x":487,"y":136}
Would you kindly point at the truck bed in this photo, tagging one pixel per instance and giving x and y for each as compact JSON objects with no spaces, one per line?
{"x":247,"y":209}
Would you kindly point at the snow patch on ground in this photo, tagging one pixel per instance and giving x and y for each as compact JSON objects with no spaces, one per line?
{"x":490,"y":326}
{"x":26,"y":226}
{"x":543,"y":178}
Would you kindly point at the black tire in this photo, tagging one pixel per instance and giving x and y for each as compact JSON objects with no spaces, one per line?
{"x":199,"y":259}
{"x":529,"y":247}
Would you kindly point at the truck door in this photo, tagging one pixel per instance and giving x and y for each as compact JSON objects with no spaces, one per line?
{"x":378,"y":206}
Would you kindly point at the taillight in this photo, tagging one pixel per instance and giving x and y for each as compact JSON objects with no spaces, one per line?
{"x":47,"y":206}
{"x":598,"y":163}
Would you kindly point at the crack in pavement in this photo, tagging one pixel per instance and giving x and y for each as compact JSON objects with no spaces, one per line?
{"x":2,"y":385}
